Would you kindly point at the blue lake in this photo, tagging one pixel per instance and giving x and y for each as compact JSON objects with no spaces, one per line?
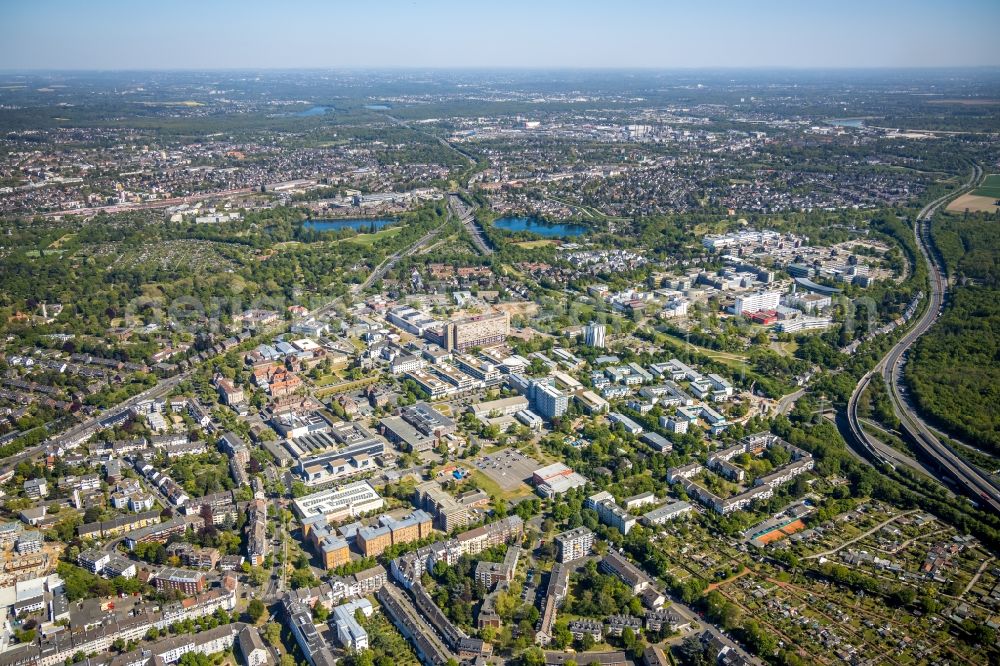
{"x":540,"y":227}
{"x":378,"y":107}
{"x":313,"y":111}
{"x":358,"y":224}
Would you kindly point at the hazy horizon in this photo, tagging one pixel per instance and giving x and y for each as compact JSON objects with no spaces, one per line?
{"x":110,"y":35}
{"x":497,"y":69}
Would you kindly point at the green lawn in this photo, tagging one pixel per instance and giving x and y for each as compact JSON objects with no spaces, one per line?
{"x":326,"y":380}
{"x":731,"y":359}
{"x":785,"y":348}
{"x":534,"y":244}
{"x":344,"y":387}
{"x":367,"y":240}
{"x":990,"y":187}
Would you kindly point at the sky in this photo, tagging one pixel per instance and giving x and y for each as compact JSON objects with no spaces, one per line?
{"x":283,"y":34}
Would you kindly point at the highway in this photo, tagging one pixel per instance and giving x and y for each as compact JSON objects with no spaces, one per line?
{"x":976,"y":484}
{"x":391,"y":260}
{"x":457,"y":206}
{"x":900,"y":458}
{"x":380,"y":271}
{"x":442,"y":141}
{"x":466,"y":216}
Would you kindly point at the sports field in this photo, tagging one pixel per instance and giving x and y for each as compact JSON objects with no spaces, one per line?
{"x":782,"y":532}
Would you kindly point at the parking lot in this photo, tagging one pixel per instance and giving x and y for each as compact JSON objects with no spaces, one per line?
{"x":508,"y":467}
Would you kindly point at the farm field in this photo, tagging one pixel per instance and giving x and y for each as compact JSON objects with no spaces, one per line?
{"x":974,"y":204}
{"x":990,"y":187}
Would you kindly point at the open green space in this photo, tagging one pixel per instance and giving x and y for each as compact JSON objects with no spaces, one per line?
{"x":990,"y":187}
{"x":368,"y":240}
{"x":535,"y":244}
{"x":328,"y":379}
{"x":727,"y":358}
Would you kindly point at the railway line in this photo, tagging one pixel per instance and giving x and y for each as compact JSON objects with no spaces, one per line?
{"x":151,"y":205}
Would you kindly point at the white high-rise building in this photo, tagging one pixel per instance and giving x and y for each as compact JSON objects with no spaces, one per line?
{"x":761,"y":300}
{"x":548,"y":401}
{"x":574,"y":544}
{"x":593,"y":334}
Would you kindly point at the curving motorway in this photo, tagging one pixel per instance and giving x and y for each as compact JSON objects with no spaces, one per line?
{"x":972,"y":480}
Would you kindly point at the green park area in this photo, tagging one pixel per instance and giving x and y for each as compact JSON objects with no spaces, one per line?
{"x":368,"y":240}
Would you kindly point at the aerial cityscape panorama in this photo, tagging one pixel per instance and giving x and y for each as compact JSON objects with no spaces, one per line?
{"x":448,"y":333}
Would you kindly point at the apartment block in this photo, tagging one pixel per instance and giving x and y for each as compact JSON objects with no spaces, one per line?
{"x":574,"y":544}
{"x":610,"y":512}
{"x":448,"y":512}
{"x":188,"y":582}
{"x":490,"y":574}
{"x":478,"y":331}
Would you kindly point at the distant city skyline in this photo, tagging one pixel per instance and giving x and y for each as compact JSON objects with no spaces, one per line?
{"x":111,"y":34}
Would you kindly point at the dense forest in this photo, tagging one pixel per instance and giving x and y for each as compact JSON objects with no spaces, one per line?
{"x":954,"y":371}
